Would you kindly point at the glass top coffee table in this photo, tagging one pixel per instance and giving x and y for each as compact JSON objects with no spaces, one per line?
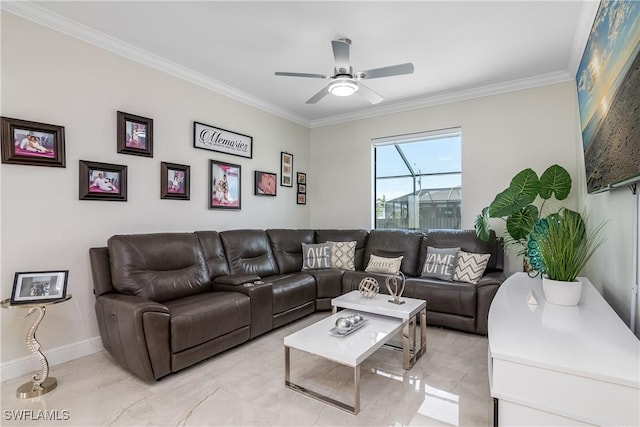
{"x":406,"y":312}
{"x":350,"y":350}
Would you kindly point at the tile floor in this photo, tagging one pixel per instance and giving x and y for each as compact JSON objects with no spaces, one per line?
{"x":245,"y":387}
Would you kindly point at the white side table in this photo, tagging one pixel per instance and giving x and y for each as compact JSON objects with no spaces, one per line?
{"x":41,"y":382}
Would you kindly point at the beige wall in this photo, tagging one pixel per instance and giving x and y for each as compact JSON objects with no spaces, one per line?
{"x":501,"y":135}
{"x":51,"y":78}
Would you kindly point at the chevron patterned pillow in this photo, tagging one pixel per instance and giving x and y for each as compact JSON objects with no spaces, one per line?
{"x":470,"y":267}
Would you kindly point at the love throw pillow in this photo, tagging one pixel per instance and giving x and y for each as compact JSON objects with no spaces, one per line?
{"x":316,"y":256}
{"x":470,"y":267}
{"x":440,"y":263}
{"x":378,"y":264}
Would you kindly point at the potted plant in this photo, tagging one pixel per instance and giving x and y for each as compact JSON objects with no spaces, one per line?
{"x":564,"y":246}
{"x":515,"y":205}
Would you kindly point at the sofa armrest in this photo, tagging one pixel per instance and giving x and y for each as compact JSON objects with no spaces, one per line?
{"x":261,"y":301}
{"x":493,"y":278}
{"x":236,"y":279}
{"x":136,"y":333}
{"x":486,"y":288}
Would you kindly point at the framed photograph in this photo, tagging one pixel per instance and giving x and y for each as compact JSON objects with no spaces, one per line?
{"x":224,"y":141}
{"x":302,"y":199}
{"x":103,"y":181}
{"x":135,"y":135}
{"x":286,"y":169}
{"x":265,"y":183}
{"x":224,"y":185}
{"x":302,"y":188}
{"x":39,"y":287}
{"x":174,"y":181}
{"x":31,"y":143}
{"x":302,"y":178}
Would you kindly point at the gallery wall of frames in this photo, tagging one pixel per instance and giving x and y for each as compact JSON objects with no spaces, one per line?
{"x":31,"y":143}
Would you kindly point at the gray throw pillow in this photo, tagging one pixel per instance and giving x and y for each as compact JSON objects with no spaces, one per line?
{"x":316,"y":256}
{"x":440,"y":263}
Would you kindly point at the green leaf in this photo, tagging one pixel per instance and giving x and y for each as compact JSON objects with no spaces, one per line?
{"x":481,"y":224}
{"x":520,"y":224}
{"x":522,"y":191}
{"x":555,"y":180}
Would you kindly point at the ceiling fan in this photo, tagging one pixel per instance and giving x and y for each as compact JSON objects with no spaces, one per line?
{"x":344,"y":82}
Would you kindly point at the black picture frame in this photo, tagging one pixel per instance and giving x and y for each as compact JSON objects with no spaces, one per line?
{"x":301,"y":178}
{"x":175,"y":181}
{"x":265,"y":184}
{"x":35,"y":287}
{"x":225,"y":190}
{"x":301,"y":199}
{"x":135,"y":135}
{"x":286,"y":169}
{"x":102,"y":181}
{"x":32,"y":143}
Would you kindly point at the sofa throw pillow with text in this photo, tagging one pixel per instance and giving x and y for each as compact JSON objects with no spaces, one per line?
{"x":378,"y":264}
{"x":343,"y":255}
{"x":470,"y":267}
{"x":316,"y":256}
{"x":440,"y":263}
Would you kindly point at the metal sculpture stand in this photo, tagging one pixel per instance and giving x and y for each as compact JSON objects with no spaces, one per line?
{"x":397,"y":291}
{"x":41,"y":382}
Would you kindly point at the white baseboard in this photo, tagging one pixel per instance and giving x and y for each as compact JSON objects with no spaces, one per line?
{"x":29,"y":364}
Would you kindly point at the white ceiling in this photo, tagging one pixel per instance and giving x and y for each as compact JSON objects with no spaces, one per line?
{"x":460,"y":49}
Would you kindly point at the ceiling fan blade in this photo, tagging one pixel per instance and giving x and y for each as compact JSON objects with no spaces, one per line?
{"x":313,"y":76}
{"x":393,"y":70}
{"x":318,"y":96}
{"x":341,"y":53}
{"x":369,"y":95}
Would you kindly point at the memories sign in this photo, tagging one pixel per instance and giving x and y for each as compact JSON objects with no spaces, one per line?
{"x":216,"y":139}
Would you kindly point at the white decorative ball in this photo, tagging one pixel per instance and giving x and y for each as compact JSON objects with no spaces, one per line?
{"x":369,"y":287}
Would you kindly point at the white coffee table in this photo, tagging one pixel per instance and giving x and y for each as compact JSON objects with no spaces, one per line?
{"x":350,"y":350}
{"x":406,"y":312}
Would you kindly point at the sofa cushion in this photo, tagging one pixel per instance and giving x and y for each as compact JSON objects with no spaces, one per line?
{"x":213,"y":253}
{"x":359,"y":236}
{"x":446,"y":297}
{"x":249,"y":252}
{"x":316,"y":256}
{"x":470,"y":267}
{"x":200,"y":318}
{"x":343,"y":255}
{"x":440,"y":263}
{"x":287,"y":249}
{"x":395,"y":243}
{"x":158,"y":267}
{"x":291,"y":290}
{"x":378,"y":264}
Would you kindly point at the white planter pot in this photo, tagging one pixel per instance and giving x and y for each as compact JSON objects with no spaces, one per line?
{"x":562,"y":293}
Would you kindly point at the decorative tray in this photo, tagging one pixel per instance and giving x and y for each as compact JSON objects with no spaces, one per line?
{"x":334,"y":331}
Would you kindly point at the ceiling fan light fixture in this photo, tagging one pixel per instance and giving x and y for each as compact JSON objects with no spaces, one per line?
{"x":343,"y":87}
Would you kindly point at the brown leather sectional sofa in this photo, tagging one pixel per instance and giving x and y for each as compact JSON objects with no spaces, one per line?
{"x":166,"y":301}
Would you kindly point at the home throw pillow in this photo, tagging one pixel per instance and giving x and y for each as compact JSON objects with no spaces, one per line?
{"x":440,"y":263}
{"x":378,"y":264}
{"x":470,"y":267}
{"x":316,"y":256}
{"x":343,"y":255}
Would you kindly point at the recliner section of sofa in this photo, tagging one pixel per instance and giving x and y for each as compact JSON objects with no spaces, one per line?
{"x":168,"y":300}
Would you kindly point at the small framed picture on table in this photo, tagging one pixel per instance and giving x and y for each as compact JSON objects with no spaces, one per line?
{"x":39,"y":287}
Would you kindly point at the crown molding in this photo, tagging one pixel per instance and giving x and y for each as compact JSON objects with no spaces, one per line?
{"x":463,"y":95}
{"x":82,"y":32}
{"x":42,"y":16}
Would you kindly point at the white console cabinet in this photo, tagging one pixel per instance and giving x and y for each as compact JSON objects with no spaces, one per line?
{"x":557,"y":366}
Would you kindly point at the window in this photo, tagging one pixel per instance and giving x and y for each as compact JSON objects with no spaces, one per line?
{"x":418,"y":180}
